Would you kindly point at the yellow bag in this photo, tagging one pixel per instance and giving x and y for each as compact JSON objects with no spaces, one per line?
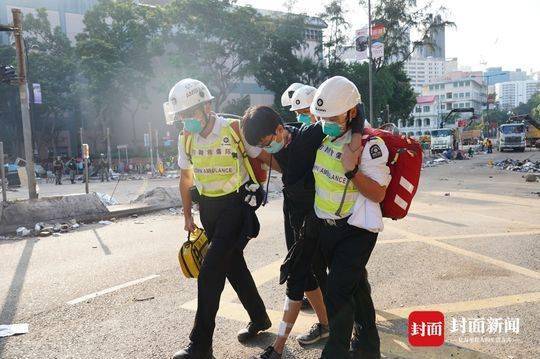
{"x":192,"y":252}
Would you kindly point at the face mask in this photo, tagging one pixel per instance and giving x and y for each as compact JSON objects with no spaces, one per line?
{"x":304,"y":118}
{"x":331,"y":129}
{"x":274,"y":147}
{"x":192,"y":125}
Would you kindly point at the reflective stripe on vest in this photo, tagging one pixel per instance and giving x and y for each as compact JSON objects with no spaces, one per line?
{"x":217,"y":170}
{"x":330,"y":181}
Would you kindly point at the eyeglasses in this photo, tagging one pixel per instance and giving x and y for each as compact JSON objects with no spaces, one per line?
{"x":267,"y":144}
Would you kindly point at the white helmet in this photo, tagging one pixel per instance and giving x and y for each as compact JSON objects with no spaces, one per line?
{"x":186,"y":94}
{"x":302,"y":98}
{"x":334,"y":97}
{"x":288,"y":94}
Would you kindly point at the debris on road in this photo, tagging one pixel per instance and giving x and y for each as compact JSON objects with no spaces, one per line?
{"x":23,"y":232}
{"x":531,"y":177}
{"x":45,"y":232}
{"x":134,"y":215}
{"x":143,"y":299}
{"x":8,"y":330}
{"x":106,"y":199}
{"x":447,"y":194}
{"x":436,"y":162}
{"x":162,"y":197}
{"x":105,"y":223}
{"x":526,"y":165}
{"x":536,"y":193}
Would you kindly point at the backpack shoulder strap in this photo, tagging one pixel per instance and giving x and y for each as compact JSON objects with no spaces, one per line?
{"x":234,"y":126}
{"x":188,"y":144}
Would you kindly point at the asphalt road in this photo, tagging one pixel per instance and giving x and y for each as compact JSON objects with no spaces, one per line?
{"x":469,"y":248}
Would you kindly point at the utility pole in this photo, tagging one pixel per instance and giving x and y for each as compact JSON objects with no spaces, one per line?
{"x":370,"y":67}
{"x":3,"y":173}
{"x":25,"y":105}
{"x":109,"y":151}
{"x":387,"y":113}
{"x":150,"y":144}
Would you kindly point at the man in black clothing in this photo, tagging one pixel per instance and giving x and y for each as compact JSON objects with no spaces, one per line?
{"x":294,"y":149}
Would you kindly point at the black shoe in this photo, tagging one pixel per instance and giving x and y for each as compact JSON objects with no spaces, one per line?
{"x":191,"y":353}
{"x":252,"y":329}
{"x":356,"y":351}
{"x":268,"y":353}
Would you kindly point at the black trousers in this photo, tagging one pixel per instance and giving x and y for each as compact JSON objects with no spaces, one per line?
{"x":348,"y":300}
{"x":309,"y":269}
{"x":223,"y":220}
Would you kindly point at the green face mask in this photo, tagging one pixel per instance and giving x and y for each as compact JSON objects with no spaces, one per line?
{"x":304,"y":118}
{"x":192,"y":125}
{"x":331,"y":129}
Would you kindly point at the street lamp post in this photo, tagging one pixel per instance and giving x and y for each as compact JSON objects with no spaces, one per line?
{"x":23,"y":95}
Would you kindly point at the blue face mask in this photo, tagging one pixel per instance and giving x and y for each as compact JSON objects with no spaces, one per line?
{"x":331,"y":129}
{"x":192,"y":125}
{"x":274,"y":147}
{"x":304,"y":118}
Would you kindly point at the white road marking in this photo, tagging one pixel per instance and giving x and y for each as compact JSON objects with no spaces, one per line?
{"x":111,"y":289}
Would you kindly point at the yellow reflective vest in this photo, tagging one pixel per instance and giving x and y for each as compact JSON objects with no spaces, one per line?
{"x":331,"y":200}
{"x":217,"y":169}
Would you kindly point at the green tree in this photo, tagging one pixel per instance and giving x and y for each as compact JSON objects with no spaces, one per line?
{"x":335,"y":40}
{"x":51,"y":63}
{"x":214,"y":41}
{"x":10,"y":118}
{"x":391,"y":86}
{"x":116,"y":49}
{"x":279,"y":63}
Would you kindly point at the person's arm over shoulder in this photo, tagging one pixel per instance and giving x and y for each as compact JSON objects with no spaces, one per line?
{"x":313,"y":135}
{"x":373,"y":174}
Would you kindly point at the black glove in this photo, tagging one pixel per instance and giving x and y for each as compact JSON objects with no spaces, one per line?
{"x":253,"y":194}
{"x":357,"y":123}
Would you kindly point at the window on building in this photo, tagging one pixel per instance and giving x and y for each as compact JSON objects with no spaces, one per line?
{"x":427,"y":122}
{"x":419,"y":133}
{"x":443,"y":106}
{"x":467,"y":104}
{"x":448,"y":95}
{"x":461,"y":95}
{"x":419,"y":122}
{"x":418,"y":109}
{"x":426,"y":109}
{"x":455,"y":95}
{"x":431,"y":87}
{"x":467,"y":94}
{"x":461,"y":105}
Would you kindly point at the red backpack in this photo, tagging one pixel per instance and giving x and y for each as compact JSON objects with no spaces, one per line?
{"x":405,"y":163}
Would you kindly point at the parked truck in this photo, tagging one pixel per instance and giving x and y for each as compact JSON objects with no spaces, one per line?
{"x":521,"y":131}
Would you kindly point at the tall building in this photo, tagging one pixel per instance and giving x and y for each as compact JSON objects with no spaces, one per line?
{"x":495,"y":75}
{"x":422,"y":71}
{"x":68,"y":14}
{"x":458,"y":90}
{"x":510,"y":94}
{"x":437,"y":43}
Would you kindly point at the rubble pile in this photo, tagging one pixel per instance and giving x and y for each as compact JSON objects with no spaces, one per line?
{"x":436,"y":162}
{"x":526,"y":165}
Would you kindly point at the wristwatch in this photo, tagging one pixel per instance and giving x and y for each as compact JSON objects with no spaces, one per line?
{"x":350,"y":175}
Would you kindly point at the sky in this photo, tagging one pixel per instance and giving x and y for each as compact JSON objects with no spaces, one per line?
{"x":488,"y":33}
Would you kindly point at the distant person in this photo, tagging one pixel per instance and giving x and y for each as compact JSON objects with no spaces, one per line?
{"x":103,"y":167}
{"x":489,"y":146}
{"x":58,"y":168}
{"x":72,"y":166}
